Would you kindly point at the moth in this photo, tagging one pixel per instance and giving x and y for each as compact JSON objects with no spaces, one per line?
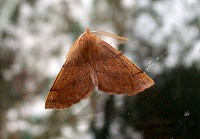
{"x":90,"y":63}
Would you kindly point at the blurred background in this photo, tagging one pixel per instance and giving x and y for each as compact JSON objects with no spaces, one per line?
{"x":164,"y":41}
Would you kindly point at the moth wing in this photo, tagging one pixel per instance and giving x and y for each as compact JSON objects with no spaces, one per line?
{"x":72,"y":84}
{"x":116,"y":74}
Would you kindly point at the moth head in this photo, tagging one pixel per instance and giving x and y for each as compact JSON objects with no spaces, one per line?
{"x":88,"y":38}
{"x":87,"y":31}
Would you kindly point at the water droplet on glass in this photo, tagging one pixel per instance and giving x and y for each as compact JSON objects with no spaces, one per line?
{"x":187,"y":113}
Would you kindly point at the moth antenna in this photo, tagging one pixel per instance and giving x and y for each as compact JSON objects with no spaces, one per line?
{"x":72,"y":49}
{"x":111,"y":35}
{"x":87,"y":31}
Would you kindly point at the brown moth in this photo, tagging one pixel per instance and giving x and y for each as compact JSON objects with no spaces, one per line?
{"x":90,"y":63}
